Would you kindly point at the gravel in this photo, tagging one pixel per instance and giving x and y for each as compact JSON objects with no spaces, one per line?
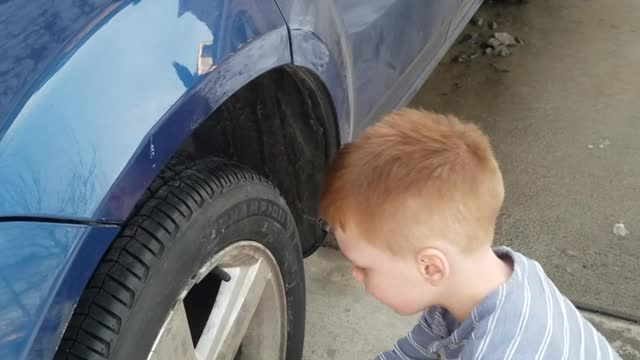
{"x":505,"y":39}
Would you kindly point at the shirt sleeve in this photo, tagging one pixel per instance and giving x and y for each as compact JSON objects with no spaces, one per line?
{"x":417,"y":345}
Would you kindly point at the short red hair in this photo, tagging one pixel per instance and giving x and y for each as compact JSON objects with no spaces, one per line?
{"x":412,"y":176}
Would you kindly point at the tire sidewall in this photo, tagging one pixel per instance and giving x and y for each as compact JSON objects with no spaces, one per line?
{"x":244,"y":211}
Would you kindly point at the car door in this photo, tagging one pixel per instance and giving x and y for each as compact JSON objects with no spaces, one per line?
{"x":465,"y":6}
{"x":392,"y":42}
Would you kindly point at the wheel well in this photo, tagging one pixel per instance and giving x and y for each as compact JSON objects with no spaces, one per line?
{"x":283,"y":125}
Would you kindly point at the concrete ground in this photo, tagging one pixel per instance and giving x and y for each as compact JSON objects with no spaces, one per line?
{"x":563,"y":113}
{"x":343,"y":323}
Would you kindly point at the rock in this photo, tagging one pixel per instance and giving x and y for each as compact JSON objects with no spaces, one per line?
{"x":519,"y":40}
{"x":475,"y":55}
{"x":461,"y":59}
{"x":620,"y":230}
{"x":471,"y":38}
{"x":499,"y":69}
{"x":478,"y":21}
{"x":570,"y":253}
{"x":505,"y":38}
{"x":494,"y":43}
{"x":604,"y":142}
{"x":488,"y":51}
{"x":493,"y":25}
{"x":589,"y":146}
{"x":502,"y":51}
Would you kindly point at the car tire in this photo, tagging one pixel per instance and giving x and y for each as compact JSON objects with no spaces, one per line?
{"x":193,"y":213}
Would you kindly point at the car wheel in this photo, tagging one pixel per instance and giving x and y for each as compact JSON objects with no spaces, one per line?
{"x":210,"y":267}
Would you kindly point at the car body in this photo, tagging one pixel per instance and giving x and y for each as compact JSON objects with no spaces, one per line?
{"x":96,"y":96}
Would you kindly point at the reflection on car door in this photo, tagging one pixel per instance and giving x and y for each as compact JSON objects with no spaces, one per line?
{"x":388,"y":38}
{"x":463,"y":8}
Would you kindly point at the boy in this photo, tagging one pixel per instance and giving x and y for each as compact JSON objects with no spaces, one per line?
{"x":413,"y":204}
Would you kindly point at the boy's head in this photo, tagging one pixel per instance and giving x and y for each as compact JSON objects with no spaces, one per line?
{"x":408,"y":200}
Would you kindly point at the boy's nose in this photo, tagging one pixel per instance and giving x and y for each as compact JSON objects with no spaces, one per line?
{"x":356,"y":273}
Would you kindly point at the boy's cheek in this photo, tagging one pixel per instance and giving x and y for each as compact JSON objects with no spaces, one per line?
{"x":405,"y":305}
{"x":381,"y":294}
{"x":399,"y":306}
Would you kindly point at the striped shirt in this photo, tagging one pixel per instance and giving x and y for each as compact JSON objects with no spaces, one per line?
{"x":525,"y":318}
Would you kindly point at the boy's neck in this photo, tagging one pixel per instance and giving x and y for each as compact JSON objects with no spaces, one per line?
{"x":480,"y":276}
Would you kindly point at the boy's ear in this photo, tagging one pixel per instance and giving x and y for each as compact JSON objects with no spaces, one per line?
{"x":433,"y":265}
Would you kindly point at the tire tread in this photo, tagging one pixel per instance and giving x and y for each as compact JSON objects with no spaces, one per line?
{"x":177,"y":193}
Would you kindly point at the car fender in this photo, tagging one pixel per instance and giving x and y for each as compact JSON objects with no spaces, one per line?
{"x":311,"y":52}
{"x":43,"y":271}
{"x":100,"y":122}
{"x":319,"y":42}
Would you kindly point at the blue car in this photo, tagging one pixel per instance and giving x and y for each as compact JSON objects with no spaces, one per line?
{"x":160,"y":163}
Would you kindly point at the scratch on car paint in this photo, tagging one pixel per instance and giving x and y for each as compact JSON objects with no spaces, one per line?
{"x":152,"y":152}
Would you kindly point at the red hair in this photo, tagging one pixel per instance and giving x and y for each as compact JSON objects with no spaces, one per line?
{"x":415,"y":174}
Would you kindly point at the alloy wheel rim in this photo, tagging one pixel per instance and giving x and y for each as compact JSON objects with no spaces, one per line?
{"x":248,"y":319}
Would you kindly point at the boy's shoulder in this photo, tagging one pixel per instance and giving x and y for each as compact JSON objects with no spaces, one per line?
{"x":528,"y":315}
{"x":525,"y":269}
{"x":518,"y":303}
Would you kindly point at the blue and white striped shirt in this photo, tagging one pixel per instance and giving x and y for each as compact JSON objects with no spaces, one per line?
{"x":525,"y":318}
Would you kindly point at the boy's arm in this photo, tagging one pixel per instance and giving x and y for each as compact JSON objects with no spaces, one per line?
{"x":416,"y":345}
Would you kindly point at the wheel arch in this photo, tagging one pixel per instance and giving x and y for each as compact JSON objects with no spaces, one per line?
{"x":283,"y":124}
